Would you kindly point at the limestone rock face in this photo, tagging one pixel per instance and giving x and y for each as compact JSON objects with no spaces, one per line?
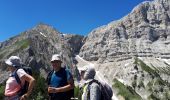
{"x":143,"y":32}
{"x":134,"y":52}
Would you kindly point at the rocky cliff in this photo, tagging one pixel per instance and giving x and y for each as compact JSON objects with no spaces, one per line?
{"x":137,"y":34}
{"x":133,"y":53}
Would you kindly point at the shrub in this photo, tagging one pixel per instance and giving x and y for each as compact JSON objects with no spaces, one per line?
{"x":126,"y":91}
{"x":2,"y":89}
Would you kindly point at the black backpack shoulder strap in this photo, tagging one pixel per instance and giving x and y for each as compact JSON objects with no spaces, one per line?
{"x":65,"y":73}
{"x":17,"y":77}
{"x":49,"y":77}
{"x":28,"y":70}
{"x":96,"y":81}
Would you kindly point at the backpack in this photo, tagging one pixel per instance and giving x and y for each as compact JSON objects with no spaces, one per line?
{"x":70,"y":93}
{"x":106,"y":90}
{"x":24,"y":88}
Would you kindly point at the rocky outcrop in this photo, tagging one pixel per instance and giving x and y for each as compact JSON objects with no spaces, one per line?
{"x":137,"y":34}
{"x":75,"y":42}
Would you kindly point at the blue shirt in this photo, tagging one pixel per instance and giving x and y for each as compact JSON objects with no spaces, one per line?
{"x":60,"y":79}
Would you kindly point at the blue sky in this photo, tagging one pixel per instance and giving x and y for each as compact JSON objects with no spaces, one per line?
{"x":67,"y":16}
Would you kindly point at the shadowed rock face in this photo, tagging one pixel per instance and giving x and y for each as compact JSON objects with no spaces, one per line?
{"x":36,"y":46}
{"x":143,"y":32}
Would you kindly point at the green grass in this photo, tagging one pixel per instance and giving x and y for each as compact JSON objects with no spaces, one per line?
{"x":143,"y":66}
{"x":126,"y":91}
{"x":149,"y":86}
{"x":22,"y":44}
{"x":2,"y":55}
{"x":156,"y":85}
{"x":153,"y":97}
{"x":77,"y":92}
{"x":4,"y":51}
{"x":146,"y":68}
{"x":2,"y":89}
{"x":16,"y":47}
{"x":136,"y":61}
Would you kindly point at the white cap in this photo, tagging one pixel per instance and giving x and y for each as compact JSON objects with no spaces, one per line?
{"x":13,"y":61}
{"x":56,"y":57}
{"x":89,"y":71}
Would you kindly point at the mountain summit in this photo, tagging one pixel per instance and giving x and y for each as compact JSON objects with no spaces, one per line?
{"x":36,"y":46}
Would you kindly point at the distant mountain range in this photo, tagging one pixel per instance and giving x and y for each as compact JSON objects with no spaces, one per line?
{"x":133,"y":53}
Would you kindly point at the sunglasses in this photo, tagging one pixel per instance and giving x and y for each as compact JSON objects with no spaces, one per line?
{"x":56,"y":61}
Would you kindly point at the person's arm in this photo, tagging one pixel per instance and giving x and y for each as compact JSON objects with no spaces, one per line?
{"x":31,"y":81}
{"x":62,"y":89}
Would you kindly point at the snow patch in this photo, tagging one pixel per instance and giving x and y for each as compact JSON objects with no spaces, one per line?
{"x":126,"y":64}
{"x":122,"y":81}
{"x":43,"y":34}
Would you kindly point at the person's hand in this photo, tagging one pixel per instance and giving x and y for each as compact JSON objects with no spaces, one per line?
{"x":52,"y":90}
{"x":23,"y":97}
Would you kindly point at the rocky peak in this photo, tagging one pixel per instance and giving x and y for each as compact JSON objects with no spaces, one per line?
{"x":155,"y":12}
{"x":36,"y":46}
{"x":46,"y":29}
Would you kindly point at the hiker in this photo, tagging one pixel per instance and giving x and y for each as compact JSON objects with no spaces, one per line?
{"x":13,"y":88}
{"x":91,"y":90}
{"x":60,"y":81}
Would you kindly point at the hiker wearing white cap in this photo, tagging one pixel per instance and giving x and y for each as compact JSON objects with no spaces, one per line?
{"x":91,"y":90}
{"x":94,"y":89}
{"x":13,"y":88}
{"x":60,"y":81}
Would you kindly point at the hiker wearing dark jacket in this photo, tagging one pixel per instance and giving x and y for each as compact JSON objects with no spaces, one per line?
{"x":60,"y":81}
{"x":12,"y":88}
{"x":91,"y":90}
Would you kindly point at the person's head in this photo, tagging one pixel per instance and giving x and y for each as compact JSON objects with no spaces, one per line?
{"x":13,"y":62}
{"x":56,"y":61}
{"x":87,"y":72}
